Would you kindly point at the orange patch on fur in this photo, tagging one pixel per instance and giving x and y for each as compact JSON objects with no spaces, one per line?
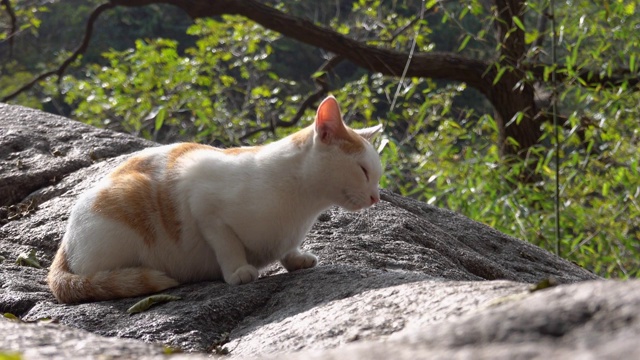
{"x":68,"y":287}
{"x":351,"y":142}
{"x":59,"y":266}
{"x":129,"y":198}
{"x":167,"y":208}
{"x":182,"y":149}
{"x":136,"y":164}
{"x":65,"y":286}
{"x":142,"y":196}
{"x":347,"y":140}
{"x":241,"y":150}
{"x":301,"y":137}
{"x":109,"y":285}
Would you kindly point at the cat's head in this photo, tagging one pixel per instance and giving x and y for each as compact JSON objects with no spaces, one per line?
{"x":352,"y":165}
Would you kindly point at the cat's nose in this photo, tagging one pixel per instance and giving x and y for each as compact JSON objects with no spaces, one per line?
{"x":374,"y":199}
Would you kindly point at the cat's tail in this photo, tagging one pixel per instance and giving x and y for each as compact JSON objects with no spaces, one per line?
{"x":69,"y":288}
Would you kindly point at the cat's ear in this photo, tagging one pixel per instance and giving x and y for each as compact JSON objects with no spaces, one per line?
{"x":329,"y":123}
{"x":370,"y":133}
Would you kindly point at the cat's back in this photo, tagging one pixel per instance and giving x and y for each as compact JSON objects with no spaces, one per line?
{"x":159,"y":160}
{"x":153,"y":188}
{"x":140,"y":185}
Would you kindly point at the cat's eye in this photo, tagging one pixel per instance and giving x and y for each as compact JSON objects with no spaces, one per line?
{"x":366,"y":173}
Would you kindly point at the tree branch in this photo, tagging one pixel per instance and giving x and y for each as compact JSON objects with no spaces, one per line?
{"x":435,"y":65}
{"x":401,"y":30}
{"x":509,"y":35}
{"x":476,"y":73}
{"x":79,"y":51}
{"x":14,"y":24}
{"x":592,"y":78}
{"x":322,"y":84}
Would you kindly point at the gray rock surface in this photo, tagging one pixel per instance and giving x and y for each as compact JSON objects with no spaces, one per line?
{"x":590,"y":320}
{"x":52,"y":341}
{"x":402,"y":279}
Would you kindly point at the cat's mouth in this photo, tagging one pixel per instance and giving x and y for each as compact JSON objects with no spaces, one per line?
{"x":357,"y":201}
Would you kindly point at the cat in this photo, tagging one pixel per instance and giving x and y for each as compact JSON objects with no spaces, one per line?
{"x":188,"y":212}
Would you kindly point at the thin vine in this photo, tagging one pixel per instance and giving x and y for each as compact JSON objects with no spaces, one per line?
{"x":554,"y":108}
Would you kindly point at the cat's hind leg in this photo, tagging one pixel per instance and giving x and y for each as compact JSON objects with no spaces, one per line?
{"x":296,"y":260}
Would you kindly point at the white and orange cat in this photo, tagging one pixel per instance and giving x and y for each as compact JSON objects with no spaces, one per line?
{"x":188,"y":212}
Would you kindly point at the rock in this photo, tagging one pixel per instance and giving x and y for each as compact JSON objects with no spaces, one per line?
{"x":402,"y":279}
{"x":590,"y":320}
{"x":52,"y":341}
{"x":38,"y":150}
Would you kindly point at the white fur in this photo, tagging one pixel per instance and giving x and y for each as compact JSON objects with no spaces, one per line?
{"x":238,"y":212}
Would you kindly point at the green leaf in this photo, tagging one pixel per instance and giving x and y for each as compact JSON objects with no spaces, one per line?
{"x":160,"y":118}
{"x":28,"y":259}
{"x":169,"y":350}
{"x":445,"y":18}
{"x":630,"y":8}
{"x":463,"y":13}
{"x":10,"y":356}
{"x":547,"y":71}
{"x":516,"y":20}
{"x":499,"y":75}
{"x":544,"y":284}
{"x":530,"y":37}
{"x":317,"y":74}
{"x":517,"y":118}
{"x":35,"y":22}
{"x":260,"y":92}
{"x":10,"y":316}
{"x":148,"y":302}
{"x":464,"y":43}
{"x":513,"y":142}
{"x":227,"y":80}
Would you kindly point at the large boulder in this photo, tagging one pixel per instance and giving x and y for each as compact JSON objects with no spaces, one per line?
{"x":402,"y":279}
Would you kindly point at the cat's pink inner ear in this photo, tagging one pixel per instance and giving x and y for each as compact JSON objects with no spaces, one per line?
{"x":329,"y":123}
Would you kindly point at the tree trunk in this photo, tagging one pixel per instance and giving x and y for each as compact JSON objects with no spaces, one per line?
{"x":513,"y":95}
{"x":510,"y":97}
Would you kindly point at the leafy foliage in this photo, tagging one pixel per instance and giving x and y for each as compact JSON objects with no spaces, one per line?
{"x":154,"y":91}
{"x":457,"y":166}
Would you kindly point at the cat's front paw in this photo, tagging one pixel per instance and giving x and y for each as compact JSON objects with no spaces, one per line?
{"x":243,"y":275}
{"x":293,"y":262}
